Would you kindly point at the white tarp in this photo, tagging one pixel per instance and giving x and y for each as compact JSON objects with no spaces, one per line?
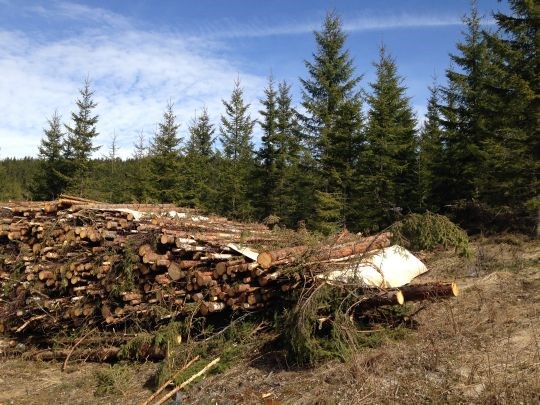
{"x":137,"y":215}
{"x":249,"y":253}
{"x":390,"y":267}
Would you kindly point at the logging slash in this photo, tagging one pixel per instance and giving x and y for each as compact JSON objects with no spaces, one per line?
{"x":74,"y":265}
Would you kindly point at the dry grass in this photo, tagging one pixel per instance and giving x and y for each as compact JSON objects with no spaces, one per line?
{"x":482,"y":347}
{"x":34,"y":382}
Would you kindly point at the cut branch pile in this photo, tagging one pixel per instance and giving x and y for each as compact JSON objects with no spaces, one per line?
{"x":76,"y":263}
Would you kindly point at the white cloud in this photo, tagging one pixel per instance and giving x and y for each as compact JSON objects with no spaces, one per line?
{"x":134,"y":71}
{"x":134,"y":74}
{"x":231,"y":29}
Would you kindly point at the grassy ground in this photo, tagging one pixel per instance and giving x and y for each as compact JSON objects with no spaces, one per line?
{"x":481,"y":347}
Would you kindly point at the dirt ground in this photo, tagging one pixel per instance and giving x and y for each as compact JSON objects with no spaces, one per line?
{"x":481,"y":347}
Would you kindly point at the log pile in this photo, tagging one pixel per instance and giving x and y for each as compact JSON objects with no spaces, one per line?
{"x":71,"y":263}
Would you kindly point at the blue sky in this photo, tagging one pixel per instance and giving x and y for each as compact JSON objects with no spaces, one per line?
{"x":141,"y":54}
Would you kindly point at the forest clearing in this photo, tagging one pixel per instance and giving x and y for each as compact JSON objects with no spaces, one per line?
{"x":480,"y":347}
{"x":323,"y":234}
{"x":107,"y":348}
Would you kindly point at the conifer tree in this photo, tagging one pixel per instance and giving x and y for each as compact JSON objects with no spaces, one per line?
{"x":292,"y":195}
{"x":79,"y":146}
{"x":288,"y":132}
{"x":199,"y":167}
{"x":115,"y":183}
{"x":268,"y":176}
{"x":333,"y":121}
{"x":512,"y":151}
{"x":140,"y":171}
{"x":388,"y":168}
{"x":430,"y":159}
{"x":468,"y":107}
{"x":165,"y":161}
{"x":50,"y":182}
{"x":448,"y":168}
{"x":201,"y":138}
{"x":235,"y":186}
{"x":281,"y":196}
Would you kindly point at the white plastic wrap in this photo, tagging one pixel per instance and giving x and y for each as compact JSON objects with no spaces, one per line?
{"x":386,"y":268}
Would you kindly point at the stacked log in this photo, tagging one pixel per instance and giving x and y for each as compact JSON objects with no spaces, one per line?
{"x":74,"y":262}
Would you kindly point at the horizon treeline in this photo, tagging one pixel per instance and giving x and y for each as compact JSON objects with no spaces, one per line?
{"x":351,"y":155}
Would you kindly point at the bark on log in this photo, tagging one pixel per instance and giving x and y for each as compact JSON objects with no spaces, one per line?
{"x":208,"y":307}
{"x":417,"y":292}
{"x":268,"y":259}
{"x":394,"y":297}
{"x":80,"y":257}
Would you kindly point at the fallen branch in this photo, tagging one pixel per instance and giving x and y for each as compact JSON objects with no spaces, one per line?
{"x":189,"y":380}
{"x":99,"y":355}
{"x":73,"y":348}
{"x":28,"y":322}
{"x":155,"y":394}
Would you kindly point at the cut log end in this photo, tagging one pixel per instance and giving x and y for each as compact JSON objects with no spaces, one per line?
{"x":174,"y":271}
{"x":264,"y":259}
{"x":455,"y":289}
{"x":400,"y":298}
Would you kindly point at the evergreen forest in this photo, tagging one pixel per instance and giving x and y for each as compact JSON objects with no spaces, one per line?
{"x":349,"y":155}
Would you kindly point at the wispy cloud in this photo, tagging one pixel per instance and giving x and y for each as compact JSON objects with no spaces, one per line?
{"x":254,"y":29}
{"x":61,"y":10}
{"x":134,"y":71}
{"x":134,"y":74}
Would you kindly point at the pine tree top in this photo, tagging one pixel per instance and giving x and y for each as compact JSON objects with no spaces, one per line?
{"x":51,"y":145}
{"x":201,"y":132}
{"x":166,"y":140}
{"x":390,"y":107}
{"x":332,"y":79}
{"x":236,"y":127}
{"x":80,"y":135}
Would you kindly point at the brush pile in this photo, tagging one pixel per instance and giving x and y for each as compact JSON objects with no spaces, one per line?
{"x":75,"y":263}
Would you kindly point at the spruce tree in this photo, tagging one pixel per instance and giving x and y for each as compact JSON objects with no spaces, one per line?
{"x":235,"y":185}
{"x":333,"y":121}
{"x":139,"y":174}
{"x":281,"y":198}
{"x":165,"y":161}
{"x":431,"y":171}
{"x":268,"y":175}
{"x":50,"y":182}
{"x":199,"y":167}
{"x":201,"y":138}
{"x":388,"y":169}
{"x":79,"y":146}
{"x":512,"y":151}
{"x":449,"y":166}
{"x":293,"y":201}
{"x":115,"y":189}
{"x":467,"y":109}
